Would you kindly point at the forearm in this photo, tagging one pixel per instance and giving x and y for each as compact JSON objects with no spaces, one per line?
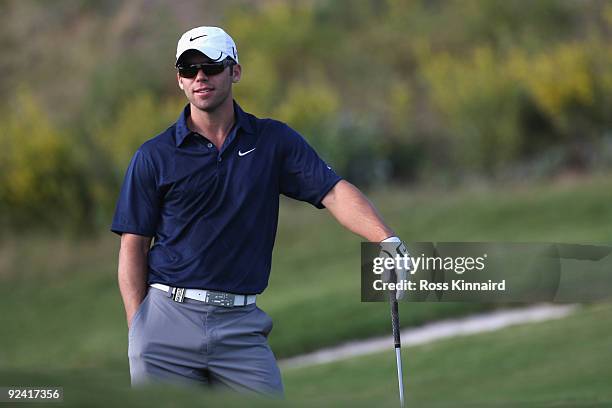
{"x":132,"y":274}
{"x":356,"y":213}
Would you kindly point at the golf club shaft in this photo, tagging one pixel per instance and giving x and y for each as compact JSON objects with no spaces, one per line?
{"x":398,"y":346}
{"x":400,"y":375}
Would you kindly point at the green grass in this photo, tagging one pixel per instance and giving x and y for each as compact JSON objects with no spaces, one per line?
{"x":560,"y":363}
{"x":565,"y":361}
{"x":61,"y":306}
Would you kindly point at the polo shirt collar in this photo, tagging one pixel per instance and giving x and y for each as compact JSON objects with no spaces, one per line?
{"x":182,"y":131}
{"x":243,"y":120}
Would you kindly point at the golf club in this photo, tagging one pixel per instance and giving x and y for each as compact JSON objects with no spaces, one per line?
{"x":398,"y":345}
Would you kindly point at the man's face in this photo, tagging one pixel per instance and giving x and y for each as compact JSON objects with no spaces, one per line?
{"x":207,"y":92}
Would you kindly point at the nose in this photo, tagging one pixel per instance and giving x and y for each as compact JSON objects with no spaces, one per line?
{"x":201,"y":76}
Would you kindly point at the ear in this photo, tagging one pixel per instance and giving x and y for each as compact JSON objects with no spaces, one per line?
{"x":237,"y":74}
{"x":179,"y":80}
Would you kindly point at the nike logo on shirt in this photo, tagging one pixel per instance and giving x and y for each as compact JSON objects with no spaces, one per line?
{"x":245,"y":153}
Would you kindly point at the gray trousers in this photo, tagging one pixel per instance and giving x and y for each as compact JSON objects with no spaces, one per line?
{"x":193,"y":342}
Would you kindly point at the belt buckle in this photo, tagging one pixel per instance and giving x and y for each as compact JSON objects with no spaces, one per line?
{"x":219,"y":298}
{"x":178,"y":295}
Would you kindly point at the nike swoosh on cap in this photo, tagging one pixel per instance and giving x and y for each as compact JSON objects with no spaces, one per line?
{"x":245,"y":153}
{"x":195,"y":38}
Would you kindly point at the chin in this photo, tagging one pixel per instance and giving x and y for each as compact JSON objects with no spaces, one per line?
{"x":208,"y":105}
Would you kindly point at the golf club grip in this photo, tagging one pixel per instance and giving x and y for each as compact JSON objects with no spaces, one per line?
{"x":395,"y":323}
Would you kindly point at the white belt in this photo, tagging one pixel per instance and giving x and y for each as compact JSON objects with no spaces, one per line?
{"x":207,"y":296}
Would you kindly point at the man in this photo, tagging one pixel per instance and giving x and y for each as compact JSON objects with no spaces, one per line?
{"x":207,"y":189}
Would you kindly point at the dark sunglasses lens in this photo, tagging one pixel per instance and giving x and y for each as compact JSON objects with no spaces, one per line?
{"x":209,"y":69}
{"x":213,"y":69}
{"x":188,"y":72}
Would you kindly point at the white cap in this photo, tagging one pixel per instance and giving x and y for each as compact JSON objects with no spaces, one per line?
{"x":213,"y":42}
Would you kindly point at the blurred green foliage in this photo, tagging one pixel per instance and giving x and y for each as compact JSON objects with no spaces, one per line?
{"x":41,"y":171}
{"x":395,"y":90}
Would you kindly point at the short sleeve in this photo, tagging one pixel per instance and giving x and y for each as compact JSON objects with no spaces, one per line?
{"x":304,"y":175}
{"x":138,"y":207}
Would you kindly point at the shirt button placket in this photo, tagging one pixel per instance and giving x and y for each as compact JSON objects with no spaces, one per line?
{"x":221,"y":169}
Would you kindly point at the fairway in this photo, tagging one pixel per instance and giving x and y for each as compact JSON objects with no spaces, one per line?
{"x":49,"y":335}
{"x":315,"y":272}
{"x":561,"y":363}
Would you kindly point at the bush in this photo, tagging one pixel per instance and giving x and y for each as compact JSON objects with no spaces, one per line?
{"x":481,"y":105}
{"x":42,"y":182}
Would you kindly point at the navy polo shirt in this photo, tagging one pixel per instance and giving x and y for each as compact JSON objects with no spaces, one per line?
{"x":213,"y":213}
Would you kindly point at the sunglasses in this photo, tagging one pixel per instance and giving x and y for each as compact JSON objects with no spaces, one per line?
{"x":191,"y":71}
